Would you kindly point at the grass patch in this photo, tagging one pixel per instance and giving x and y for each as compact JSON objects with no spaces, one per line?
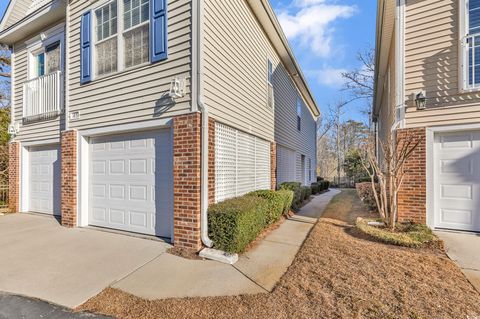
{"x":407,"y":235}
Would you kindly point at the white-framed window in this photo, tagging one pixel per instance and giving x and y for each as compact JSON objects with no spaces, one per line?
{"x":270,"y":93}
{"x":122,"y":35}
{"x":46,"y":56}
{"x":471,"y":43}
{"x":299,"y":113}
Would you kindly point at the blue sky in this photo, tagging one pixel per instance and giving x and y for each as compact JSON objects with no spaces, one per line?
{"x":325,"y":36}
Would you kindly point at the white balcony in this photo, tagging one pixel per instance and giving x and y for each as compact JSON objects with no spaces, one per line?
{"x":43,"y":97}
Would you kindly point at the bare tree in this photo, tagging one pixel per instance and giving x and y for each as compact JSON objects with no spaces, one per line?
{"x":389,"y":170}
{"x":5,"y":61}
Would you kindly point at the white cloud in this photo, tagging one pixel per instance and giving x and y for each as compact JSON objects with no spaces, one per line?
{"x":329,"y":76}
{"x":310,"y":22}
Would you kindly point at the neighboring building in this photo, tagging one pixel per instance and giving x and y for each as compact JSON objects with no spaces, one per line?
{"x":429,"y":48}
{"x":136,"y":114}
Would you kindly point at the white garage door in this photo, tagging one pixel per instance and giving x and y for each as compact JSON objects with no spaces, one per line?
{"x":45,"y":179}
{"x":457,"y":181}
{"x":131,"y":182}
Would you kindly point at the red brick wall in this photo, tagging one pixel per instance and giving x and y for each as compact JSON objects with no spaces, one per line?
{"x":14,"y":177}
{"x":273,"y":164}
{"x":412,"y":196}
{"x":211,"y":161}
{"x":186,"y":181}
{"x":69,"y":178}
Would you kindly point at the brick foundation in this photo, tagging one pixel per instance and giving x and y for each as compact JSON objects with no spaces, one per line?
{"x":412,"y":196}
{"x":273,"y":165}
{"x":211,"y":161}
{"x":69,"y":178}
{"x":14,"y":177}
{"x":187,"y":181}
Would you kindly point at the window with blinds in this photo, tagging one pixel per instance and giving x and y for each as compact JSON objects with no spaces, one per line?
{"x":242,"y":163}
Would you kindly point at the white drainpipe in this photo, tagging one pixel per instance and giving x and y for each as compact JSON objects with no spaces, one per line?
{"x":203,"y":108}
{"x":208,"y":252}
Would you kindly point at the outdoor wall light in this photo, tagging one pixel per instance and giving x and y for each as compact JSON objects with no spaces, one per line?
{"x":421,"y":101}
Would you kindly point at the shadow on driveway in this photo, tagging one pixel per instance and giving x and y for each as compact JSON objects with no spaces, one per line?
{"x":12,"y":306}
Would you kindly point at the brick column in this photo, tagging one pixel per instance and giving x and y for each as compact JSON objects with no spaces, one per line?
{"x":69,"y":178}
{"x":211,"y":161}
{"x":186,"y":181}
{"x":14,"y":177}
{"x":273,"y":165}
{"x":412,"y":196}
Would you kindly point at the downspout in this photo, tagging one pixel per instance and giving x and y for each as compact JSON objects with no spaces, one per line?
{"x":203,"y":108}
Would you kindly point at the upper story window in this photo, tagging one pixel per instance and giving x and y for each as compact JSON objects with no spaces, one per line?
{"x":270,"y":93}
{"x":270,"y":72}
{"x":121,"y":43}
{"x":299,"y":113}
{"x":472,"y":44}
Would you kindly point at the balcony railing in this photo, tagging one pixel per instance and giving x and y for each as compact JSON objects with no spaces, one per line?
{"x":43,"y":97}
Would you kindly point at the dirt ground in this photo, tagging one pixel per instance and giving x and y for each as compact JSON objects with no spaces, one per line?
{"x":337,"y":274}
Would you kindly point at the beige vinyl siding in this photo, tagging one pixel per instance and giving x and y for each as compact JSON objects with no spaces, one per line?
{"x":236,"y":53}
{"x":18,"y":12}
{"x":138,"y":94}
{"x":432,"y":39}
{"x":235,"y":66}
{"x":38,"y":130}
{"x":388,"y":99}
{"x":286,"y":131}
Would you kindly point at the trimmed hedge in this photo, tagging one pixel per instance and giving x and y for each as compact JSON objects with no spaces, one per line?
{"x":275,"y":202}
{"x":236,"y":222}
{"x":306,"y":193}
{"x":287,"y":200}
{"x":296,"y":188}
{"x":315,"y":188}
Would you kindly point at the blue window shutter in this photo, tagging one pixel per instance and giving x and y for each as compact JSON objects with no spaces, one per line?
{"x":158,"y":28}
{"x":86,"y":48}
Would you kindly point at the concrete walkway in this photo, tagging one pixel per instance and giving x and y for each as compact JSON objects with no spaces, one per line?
{"x":464,"y":249}
{"x":257,"y":271}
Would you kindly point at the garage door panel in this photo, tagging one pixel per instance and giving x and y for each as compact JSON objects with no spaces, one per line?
{"x":44,"y":189}
{"x":457,"y":181}
{"x":127,"y":193}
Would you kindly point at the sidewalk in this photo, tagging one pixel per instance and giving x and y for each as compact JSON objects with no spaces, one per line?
{"x":257,"y":271}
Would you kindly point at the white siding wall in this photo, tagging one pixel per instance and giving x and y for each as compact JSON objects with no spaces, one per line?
{"x":138,"y":94}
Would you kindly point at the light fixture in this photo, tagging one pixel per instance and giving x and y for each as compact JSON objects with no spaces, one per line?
{"x":421,"y":101}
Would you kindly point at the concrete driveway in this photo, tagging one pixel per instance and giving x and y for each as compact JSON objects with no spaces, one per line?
{"x":41,"y":259}
{"x":464,"y":249}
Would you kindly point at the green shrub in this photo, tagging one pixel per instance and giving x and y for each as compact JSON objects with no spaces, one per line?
{"x":315,"y":188}
{"x":327,"y":185}
{"x":287,"y":200}
{"x":276,"y":203}
{"x":306,"y":192}
{"x":296,"y":188}
{"x":408,"y":235}
{"x":234,"y":223}
{"x":320,"y":179}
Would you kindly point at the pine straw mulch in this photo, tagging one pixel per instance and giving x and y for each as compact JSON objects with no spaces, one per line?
{"x":338,"y":273}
